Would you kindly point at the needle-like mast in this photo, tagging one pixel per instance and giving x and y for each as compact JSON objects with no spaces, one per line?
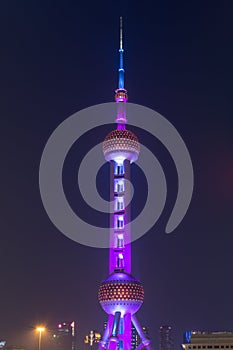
{"x":121,"y":35}
{"x":121,"y":51}
{"x":121,"y":93}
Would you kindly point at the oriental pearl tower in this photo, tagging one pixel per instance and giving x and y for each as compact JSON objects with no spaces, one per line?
{"x":121,"y":295}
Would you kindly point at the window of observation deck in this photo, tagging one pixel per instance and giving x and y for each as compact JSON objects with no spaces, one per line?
{"x":119,"y":169}
{"x":119,"y":224}
{"x":119,"y":186}
{"x":120,"y":261}
{"x":119,"y":204}
{"x":120,"y":241}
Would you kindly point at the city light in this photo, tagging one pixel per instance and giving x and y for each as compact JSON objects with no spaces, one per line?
{"x":40,"y":330}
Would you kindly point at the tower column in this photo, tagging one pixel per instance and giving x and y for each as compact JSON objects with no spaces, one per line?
{"x":127,"y":217}
{"x":112,"y":262}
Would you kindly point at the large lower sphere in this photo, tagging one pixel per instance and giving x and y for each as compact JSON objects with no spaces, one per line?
{"x":121,"y":292}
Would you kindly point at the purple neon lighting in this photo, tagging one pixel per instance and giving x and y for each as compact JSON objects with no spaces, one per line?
{"x":120,"y":295}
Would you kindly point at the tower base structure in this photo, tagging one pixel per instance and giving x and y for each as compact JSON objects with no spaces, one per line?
{"x":121,"y":295}
{"x":117,"y":334}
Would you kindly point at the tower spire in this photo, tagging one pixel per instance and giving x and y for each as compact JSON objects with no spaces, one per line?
{"x":121,"y":52}
{"x":121,"y":93}
{"x":121,"y":34}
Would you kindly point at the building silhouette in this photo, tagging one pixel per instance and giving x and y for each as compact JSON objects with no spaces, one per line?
{"x":165,"y":338}
{"x":135,"y":339}
{"x":196,"y":340}
{"x":65,"y":336}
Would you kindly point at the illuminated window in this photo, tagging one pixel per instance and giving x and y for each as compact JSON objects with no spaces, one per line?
{"x":119,"y":169}
{"x":120,"y":222}
{"x":119,"y":186}
{"x":120,"y":261}
{"x":120,"y":241}
{"x":120,"y":203}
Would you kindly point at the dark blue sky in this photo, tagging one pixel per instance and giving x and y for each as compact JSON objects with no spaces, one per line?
{"x":58,"y":57}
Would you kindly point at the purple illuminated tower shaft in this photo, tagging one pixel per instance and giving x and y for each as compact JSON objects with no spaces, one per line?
{"x":120,"y":251}
{"x":121,"y":295}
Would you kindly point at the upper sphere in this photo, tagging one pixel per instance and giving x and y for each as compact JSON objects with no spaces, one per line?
{"x":121,"y":145}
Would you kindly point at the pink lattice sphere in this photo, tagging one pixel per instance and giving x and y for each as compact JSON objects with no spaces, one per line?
{"x":121,"y":144}
{"x":121,"y":292}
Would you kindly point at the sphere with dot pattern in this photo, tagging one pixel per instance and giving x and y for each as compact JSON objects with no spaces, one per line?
{"x":121,"y":145}
{"x":121,"y":292}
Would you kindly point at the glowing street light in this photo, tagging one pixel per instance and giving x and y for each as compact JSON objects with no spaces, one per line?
{"x":40,"y":330}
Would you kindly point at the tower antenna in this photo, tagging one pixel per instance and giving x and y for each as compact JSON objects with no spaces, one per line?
{"x":121,"y":96}
{"x":121,"y":71}
{"x":121,"y":34}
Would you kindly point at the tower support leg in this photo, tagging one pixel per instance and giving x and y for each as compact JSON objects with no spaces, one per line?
{"x":114,"y":340}
{"x":127,"y":332}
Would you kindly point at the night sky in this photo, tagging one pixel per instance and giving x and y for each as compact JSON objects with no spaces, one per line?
{"x":58,"y":57}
